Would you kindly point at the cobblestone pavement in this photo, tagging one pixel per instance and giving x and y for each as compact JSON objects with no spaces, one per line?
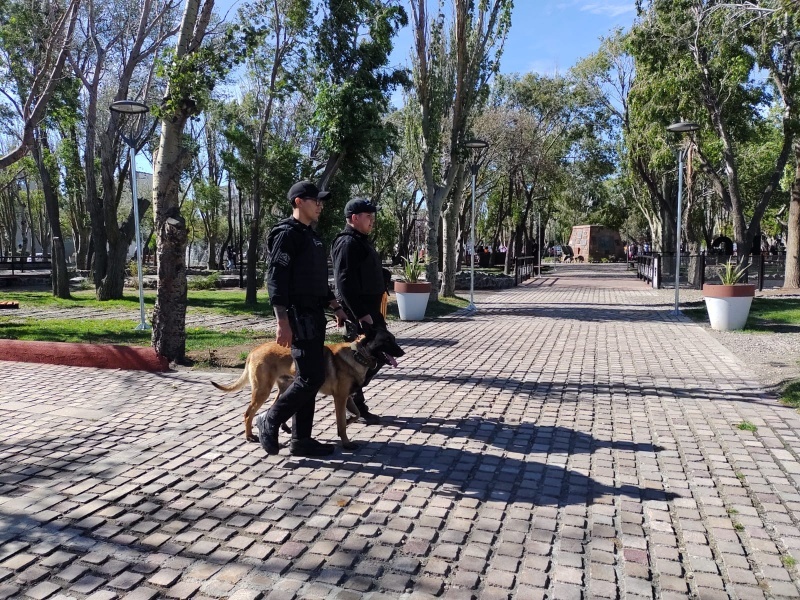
{"x":527,"y":452}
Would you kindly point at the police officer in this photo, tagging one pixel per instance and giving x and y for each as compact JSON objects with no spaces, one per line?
{"x":297,"y":280}
{"x":360,"y":279}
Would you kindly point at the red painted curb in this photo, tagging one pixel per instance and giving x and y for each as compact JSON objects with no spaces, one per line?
{"x":101,"y":356}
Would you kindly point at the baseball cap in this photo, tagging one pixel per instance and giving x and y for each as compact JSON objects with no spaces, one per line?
{"x":358,"y":206}
{"x":306,"y":189}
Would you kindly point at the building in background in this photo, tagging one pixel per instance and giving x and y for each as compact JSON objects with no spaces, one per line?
{"x":595,"y":242}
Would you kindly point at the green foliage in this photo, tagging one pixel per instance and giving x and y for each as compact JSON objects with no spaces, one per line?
{"x":746,"y":426}
{"x":193,"y":76}
{"x":413,"y":269}
{"x":386,"y":233}
{"x":790,"y":395}
{"x":209,"y":282}
{"x":730,"y":273}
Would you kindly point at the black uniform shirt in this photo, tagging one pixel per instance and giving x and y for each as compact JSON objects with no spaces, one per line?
{"x":297,"y":274}
{"x":357,"y":271}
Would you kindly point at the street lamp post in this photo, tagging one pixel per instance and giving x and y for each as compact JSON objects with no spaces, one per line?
{"x":475,"y":146}
{"x":131,"y":107}
{"x":680,"y":127}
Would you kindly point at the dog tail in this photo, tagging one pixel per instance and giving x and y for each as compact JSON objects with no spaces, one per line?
{"x":236,"y":385}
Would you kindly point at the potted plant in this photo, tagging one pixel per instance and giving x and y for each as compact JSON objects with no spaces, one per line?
{"x":412,"y":293}
{"x":728,"y":303}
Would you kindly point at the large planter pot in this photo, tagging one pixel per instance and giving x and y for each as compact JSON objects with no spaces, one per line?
{"x":728,"y":305}
{"x":412,"y":299}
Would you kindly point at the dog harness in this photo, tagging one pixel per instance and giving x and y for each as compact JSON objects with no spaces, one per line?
{"x":361,"y":356}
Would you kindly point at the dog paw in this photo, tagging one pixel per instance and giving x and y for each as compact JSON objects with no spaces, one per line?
{"x":349,"y":445}
{"x":251,"y":438}
{"x":286,"y":428}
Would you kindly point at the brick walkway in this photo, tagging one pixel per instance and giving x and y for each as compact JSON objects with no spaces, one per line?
{"x":571,"y":440}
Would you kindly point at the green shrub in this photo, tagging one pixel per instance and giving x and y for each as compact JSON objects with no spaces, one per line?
{"x":209,"y":282}
{"x":729,"y":274}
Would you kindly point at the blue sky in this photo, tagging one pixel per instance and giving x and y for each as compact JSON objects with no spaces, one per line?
{"x":546,"y":36}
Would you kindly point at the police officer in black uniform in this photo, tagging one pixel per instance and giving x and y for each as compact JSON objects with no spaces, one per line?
{"x":360,"y":279}
{"x":297,"y":280}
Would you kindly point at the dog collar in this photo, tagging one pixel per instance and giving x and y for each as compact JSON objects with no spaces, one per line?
{"x":362,"y":357}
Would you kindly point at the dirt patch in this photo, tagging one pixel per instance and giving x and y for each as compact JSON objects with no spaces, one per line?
{"x":222,"y":359}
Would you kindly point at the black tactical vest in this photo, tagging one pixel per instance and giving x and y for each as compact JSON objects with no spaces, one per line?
{"x":308,"y":280}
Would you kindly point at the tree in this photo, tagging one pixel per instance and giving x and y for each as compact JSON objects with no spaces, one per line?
{"x":42,"y":77}
{"x":698,"y":59}
{"x":450,"y":76}
{"x":187,"y":79}
{"x":353,"y":84}
{"x":124,"y":43}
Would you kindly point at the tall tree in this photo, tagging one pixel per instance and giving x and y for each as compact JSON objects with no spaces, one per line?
{"x":198,"y":62}
{"x":186,"y":82}
{"x":124,"y":43}
{"x":451,"y":71}
{"x":698,"y":59}
{"x":20,"y":24}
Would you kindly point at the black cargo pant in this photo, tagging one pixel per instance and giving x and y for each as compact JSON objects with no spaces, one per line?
{"x":298,"y":400}
{"x":379,"y":323}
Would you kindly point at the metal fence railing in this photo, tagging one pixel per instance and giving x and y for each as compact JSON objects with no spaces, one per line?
{"x":765,"y":271}
{"x":524,"y":268}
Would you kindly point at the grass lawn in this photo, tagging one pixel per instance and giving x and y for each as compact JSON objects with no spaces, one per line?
{"x":766,"y":314}
{"x":227,"y":302}
{"x":115,"y":331}
{"x":121,"y":331}
{"x":791,"y":394}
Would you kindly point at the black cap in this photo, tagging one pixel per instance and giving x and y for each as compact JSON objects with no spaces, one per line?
{"x":306,"y":189}
{"x":358,"y":206}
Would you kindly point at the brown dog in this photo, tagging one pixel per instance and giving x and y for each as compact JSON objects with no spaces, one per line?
{"x":346,"y":367}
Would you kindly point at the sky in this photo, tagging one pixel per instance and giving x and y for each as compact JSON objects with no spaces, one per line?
{"x":546,"y":36}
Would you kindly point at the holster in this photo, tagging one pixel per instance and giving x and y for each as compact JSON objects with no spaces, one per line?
{"x":306,"y":324}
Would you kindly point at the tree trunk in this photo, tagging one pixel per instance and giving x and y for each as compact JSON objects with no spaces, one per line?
{"x":450,"y":236}
{"x":792,"y":273}
{"x":251,"y":293}
{"x":58,"y":272}
{"x":169,"y":315}
{"x":432,"y":244}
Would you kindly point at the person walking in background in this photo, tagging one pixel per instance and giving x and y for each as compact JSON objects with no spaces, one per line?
{"x":360,"y":280}
{"x":297,"y":281}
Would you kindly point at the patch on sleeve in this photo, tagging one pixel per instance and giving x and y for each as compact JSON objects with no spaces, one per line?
{"x":281,"y":258}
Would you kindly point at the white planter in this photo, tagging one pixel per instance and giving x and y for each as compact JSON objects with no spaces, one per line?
{"x":412,"y":300}
{"x":728,"y":305}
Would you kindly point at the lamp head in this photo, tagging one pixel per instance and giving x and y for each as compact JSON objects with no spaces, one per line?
{"x":476,"y":144}
{"x":129,"y":107}
{"x":683,"y":127}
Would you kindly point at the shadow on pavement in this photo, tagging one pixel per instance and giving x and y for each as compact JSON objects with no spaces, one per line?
{"x":566,"y":391}
{"x":484,"y":476}
{"x":524,"y":438}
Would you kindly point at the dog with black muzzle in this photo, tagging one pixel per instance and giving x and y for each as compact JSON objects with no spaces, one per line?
{"x":346,"y":368}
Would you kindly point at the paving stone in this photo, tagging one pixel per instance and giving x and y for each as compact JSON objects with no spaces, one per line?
{"x":43,"y":590}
